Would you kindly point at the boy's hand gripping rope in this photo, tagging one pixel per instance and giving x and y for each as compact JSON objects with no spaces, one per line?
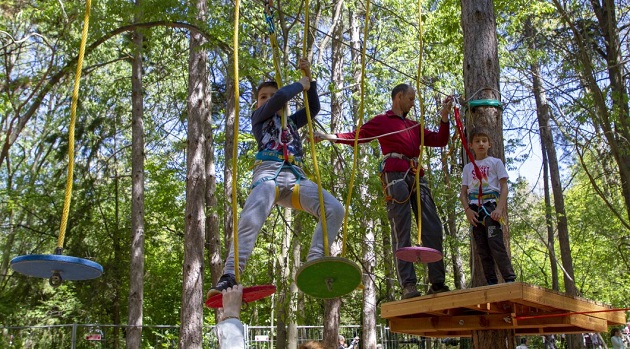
{"x":471,"y":157}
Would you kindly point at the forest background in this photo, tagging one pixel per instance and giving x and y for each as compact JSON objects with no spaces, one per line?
{"x":573,"y":53}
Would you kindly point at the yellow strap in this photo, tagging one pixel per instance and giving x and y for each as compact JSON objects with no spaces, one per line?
{"x":358,"y":128}
{"x":237,"y":273}
{"x":73,"y":117}
{"x":295,"y":198}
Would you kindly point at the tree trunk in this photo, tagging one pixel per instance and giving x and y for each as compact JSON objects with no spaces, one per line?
{"x":292,"y":332}
{"x":451,"y":231}
{"x":368,"y":339}
{"x":283,"y":297}
{"x":136,"y":265}
{"x":550,"y":161}
{"x":190,"y":334}
{"x":228,"y":218}
{"x":481,"y":81}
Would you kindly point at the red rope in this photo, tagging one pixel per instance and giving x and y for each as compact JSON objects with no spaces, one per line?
{"x":568,"y":314}
{"x":460,"y":129}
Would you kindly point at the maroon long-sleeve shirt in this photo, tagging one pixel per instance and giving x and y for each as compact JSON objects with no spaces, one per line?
{"x":406,"y":142}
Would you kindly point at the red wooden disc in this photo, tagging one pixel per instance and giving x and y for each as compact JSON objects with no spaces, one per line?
{"x":418,"y":254}
{"x":250,"y":294}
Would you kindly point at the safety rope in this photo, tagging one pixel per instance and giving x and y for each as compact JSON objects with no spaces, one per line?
{"x":237,"y":272}
{"x":322,"y":208}
{"x":462,"y":136}
{"x":73,"y":116}
{"x":358,"y":128}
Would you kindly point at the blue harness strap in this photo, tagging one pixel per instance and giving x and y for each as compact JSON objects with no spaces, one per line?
{"x":490,"y":195}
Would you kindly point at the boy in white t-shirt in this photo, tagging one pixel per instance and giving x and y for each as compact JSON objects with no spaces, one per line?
{"x":485,"y":213}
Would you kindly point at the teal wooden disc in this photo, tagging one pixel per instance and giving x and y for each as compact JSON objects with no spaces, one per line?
{"x":328,"y":277}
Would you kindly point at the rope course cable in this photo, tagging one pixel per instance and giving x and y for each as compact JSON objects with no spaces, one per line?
{"x":372,"y":57}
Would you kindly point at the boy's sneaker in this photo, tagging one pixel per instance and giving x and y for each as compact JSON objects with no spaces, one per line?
{"x":410,"y":291}
{"x":226,"y":281}
{"x":438,"y":288}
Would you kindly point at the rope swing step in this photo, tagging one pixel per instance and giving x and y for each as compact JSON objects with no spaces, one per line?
{"x":419,"y":253}
{"x":252,"y":293}
{"x":327,"y":277}
{"x":58,"y":267}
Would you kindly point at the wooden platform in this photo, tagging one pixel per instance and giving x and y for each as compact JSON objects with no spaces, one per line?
{"x":524,"y":308}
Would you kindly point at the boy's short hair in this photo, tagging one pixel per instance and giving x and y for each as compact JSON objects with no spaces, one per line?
{"x":311,"y":345}
{"x":266,"y":84}
{"x":400,"y":88}
{"x":478,"y":131}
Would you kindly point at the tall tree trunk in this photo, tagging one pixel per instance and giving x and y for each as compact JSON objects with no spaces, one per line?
{"x":283,"y":297}
{"x":190,"y":334}
{"x":296,"y":248}
{"x":213,"y":232}
{"x":615,"y":124}
{"x":481,"y":81}
{"x":136,"y":279}
{"x":332,"y":306}
{"x":117,"y":246}
{"x":368,"y":339}
{"x":228,"y":217}
{"x":550,"y":164}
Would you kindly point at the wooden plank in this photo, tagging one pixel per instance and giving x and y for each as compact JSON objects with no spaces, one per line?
{"x":570,"y":304}
{"x":453,"y":299}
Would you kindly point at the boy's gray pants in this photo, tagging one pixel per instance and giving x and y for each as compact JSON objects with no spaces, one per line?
{"x":399,"y":215}
{"x":261,"y":200}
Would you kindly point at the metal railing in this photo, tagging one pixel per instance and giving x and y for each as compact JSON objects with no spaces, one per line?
{"x":84,"y":336}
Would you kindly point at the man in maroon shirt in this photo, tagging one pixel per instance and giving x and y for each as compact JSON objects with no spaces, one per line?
{"x":399,"y":139}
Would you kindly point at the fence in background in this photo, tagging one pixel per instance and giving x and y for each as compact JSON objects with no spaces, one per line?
{"x":90,"y":336}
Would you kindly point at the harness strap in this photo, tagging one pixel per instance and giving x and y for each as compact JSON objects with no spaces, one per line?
{"x":490,"y":195}
{"x":413,"y":162}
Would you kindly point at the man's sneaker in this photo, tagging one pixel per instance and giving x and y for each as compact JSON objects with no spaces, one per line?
{"x":438,"y":288}
{"x":410,"y":291}
{"x":510,"y":280}
{"x":226,"y":281}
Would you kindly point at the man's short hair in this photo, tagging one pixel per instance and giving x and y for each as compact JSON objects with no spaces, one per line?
{"x":523,"y":340}
{"x":266,"y":84}
{"x":478,"y":131}
{"x":400,"y":88}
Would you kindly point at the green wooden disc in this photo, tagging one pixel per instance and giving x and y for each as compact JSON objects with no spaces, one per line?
{"x":328,"y":277}
{"x":485,"y":103}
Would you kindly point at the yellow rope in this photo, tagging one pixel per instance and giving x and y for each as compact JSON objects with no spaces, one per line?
{"x":359,"y":124}
{"x":421,"y":102}
{"x":275,"y":52}
{"x":237,"y":272}
{"x":322,"y":208}
{"x":73,"y":115}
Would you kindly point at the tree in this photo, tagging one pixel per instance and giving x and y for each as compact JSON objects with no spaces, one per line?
{"x":481,"y":81}
{"x":199,"y":107}
{"x":136,"y":266}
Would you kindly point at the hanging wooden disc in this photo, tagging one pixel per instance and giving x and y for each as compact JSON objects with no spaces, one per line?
{"x":328,"y":277}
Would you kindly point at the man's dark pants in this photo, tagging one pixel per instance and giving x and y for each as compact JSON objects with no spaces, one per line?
{"x":399,"y":206}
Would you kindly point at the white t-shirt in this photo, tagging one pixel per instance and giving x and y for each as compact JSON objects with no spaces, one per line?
{"x":492,"y":170}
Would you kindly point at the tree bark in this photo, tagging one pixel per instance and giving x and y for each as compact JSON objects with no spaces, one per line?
{"x":190,"y":334}
{"x":550,"y":164}
{"x":481,"y":81}
{"x":136,"y":265}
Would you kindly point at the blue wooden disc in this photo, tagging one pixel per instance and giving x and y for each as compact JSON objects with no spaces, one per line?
{"x":45,"y":265}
